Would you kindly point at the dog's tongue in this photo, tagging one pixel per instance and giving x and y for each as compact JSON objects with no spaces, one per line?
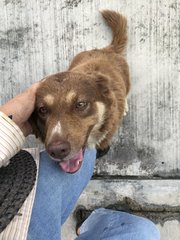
{"x":72,"y":165}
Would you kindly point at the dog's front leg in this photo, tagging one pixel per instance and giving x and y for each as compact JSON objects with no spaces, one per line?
{"x":102,"y":149}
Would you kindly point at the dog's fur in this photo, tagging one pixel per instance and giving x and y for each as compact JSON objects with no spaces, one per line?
{"x":84,"y":106}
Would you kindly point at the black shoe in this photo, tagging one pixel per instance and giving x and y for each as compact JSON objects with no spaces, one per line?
{"x":100,"y":153}
{"x":81,"y":213}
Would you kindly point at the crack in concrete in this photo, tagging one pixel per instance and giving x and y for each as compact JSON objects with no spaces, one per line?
{"x":156,"y":213}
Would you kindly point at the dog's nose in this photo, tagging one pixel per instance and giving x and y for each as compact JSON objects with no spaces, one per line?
{"x":59,"y":150}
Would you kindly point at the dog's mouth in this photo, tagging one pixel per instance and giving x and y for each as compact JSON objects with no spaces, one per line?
{"x":72,"y":165}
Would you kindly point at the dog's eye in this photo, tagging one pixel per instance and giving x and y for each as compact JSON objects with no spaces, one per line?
{"x":43,"y":111}
{"x":81,"y":105}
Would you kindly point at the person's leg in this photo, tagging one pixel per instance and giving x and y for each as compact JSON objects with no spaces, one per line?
{"x":105,"y":224}
{"x":56,"y":195}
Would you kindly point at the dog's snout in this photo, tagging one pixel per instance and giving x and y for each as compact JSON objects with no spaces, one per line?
{"x":59,"y":150}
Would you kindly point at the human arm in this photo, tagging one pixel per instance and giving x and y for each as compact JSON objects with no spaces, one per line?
{"x":14,"y":125}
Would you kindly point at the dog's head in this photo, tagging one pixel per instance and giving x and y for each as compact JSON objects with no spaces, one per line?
{"x":69,"y":114}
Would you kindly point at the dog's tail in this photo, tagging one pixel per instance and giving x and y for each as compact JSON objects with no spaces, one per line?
{"x":118,"y":24}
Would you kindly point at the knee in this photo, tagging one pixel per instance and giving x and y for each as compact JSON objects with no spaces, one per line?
{"x":146,"y":229}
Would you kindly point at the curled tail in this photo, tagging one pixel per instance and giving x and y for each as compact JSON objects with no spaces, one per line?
{"x":118,"y":25}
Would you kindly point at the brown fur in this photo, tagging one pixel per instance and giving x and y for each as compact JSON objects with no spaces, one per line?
{"x":97,"y":78}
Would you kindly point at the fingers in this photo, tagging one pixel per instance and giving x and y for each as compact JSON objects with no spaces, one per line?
{"x":21,"y":107}
{"x":35,"y":86}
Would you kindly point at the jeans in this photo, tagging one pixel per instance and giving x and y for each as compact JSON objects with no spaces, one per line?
{"x":106,"y":224}
{"x":56,"y":195}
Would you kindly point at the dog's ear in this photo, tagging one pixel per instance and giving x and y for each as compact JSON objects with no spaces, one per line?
{"x":33,"y":121}
{"x":103,"y":86}
{"x":102,"y":83}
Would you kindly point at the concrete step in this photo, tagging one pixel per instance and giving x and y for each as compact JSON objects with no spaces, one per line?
{"x":158,"y":200}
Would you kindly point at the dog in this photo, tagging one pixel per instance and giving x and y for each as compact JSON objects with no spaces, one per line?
{"x":83,"y":106}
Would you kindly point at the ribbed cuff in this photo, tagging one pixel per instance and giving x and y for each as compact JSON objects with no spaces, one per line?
{"x":11,"y":139}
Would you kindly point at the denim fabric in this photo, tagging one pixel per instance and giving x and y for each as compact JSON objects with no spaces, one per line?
{"x":105,"y":224}
{"x":56,"y":195}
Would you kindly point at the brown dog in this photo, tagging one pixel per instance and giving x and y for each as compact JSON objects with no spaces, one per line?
{"x":83,"y":106}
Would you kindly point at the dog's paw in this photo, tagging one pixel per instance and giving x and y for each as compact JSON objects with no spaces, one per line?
{"x":126,"y":108}
{"x":100,"y":153}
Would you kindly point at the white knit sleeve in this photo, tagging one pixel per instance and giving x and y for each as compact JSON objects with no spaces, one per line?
{"x":11,"y":139}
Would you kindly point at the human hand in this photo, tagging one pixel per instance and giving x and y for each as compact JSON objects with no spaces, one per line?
{"x":21,"y":108}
